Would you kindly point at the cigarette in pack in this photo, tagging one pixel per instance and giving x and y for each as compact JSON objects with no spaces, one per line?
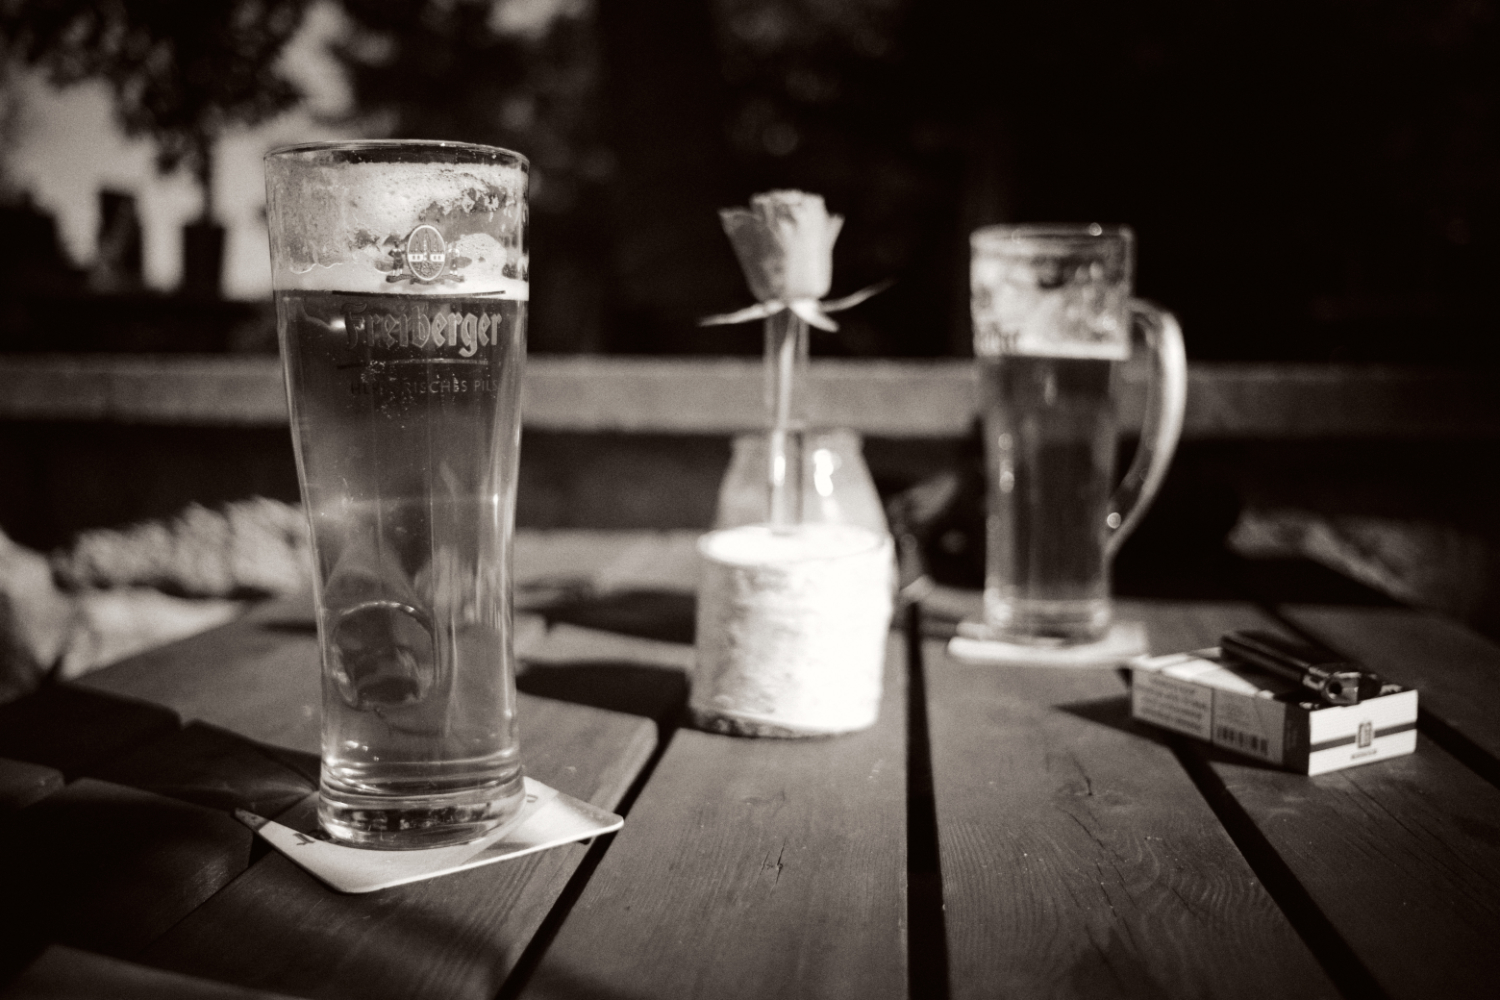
{"x":1288,"y":704}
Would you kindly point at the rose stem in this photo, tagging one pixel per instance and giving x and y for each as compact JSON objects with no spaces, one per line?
{"x":786,"y":360}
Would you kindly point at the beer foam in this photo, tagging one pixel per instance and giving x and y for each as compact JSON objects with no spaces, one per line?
{"x":1021,"y":307}
{"x":344,"y":227}
{"x":1047,"y":291}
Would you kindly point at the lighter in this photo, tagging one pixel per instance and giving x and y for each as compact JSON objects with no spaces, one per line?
{"x":1336,"y":681}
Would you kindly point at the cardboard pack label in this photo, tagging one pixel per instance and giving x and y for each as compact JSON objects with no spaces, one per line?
{"x":1269,"y":718}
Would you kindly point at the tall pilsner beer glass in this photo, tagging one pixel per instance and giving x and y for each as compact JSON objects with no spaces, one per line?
{"x":1053,"y":322}
{"x":400,"y":275}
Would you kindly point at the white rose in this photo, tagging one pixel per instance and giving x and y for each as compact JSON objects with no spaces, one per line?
{"x":784,"y":242}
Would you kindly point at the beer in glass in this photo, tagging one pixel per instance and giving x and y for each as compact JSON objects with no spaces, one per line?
{"x":400,"y":276}
{"x":1053,"y":321}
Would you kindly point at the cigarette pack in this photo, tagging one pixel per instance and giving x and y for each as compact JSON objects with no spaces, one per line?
{"x":1269,"y":718}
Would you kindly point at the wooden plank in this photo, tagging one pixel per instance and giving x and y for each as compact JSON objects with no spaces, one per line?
{"x":752,"y":868}
{"x":258,"y":679}
{"x":1313,"y":401}
{"x":700,"y":395}
{"x":1400,"y":859}
{"x":455,"y":937}
{"x":216,"y":769}
{"x":1077,"y":857}
{"x":71,"y":728}
{"x":604,"y":561}
{"x":63,"y":973}
{"x":21,"y":784}
{"x":205,"y":390}
{"x":1455,"y":671}
{"x":726,"y":395}
{"x":108,"y":868}
{"x":637,"y":676}
{"x":887,"y":398}
{"x":1179,"y":626}
{"x":638,"y":583}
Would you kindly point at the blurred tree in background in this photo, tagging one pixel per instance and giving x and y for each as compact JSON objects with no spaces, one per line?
{"x":526,"y":76}
{"x":182,"y":71}
{"x":1309,"y":179}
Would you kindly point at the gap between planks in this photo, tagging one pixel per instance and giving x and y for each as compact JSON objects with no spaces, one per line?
{"x":927,"y":933}
{"x":1147,"y":897}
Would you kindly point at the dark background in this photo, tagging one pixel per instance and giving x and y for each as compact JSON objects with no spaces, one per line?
{"x":1310,"y":179}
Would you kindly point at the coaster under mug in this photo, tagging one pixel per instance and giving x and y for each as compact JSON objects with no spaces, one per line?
{"x":1124,"y":640}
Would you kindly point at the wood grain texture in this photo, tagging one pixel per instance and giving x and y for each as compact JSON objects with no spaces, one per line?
{"x":751,"y":868}
{"x":21,"y":784}
{"x":1401,"y":856}
{"x":1078,"y":857}
{"x":216,"y":769}
{"x":258,"y":679}
{"x":454,"y":937}
{"x":71,"y":728}
{"x":1455,"y":671}
{"x":109,"y":869}
{"x":63,"y":973}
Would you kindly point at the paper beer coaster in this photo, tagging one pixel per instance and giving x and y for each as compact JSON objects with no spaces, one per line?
{"x":1123,"y":641}
{"x":547,"y":819}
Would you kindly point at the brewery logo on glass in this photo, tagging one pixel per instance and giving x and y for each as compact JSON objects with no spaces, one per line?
{"x":428,"y":325}
{"x":425,"y":258}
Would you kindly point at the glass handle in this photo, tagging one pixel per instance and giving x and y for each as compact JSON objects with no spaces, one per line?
{"x":1166,"y":399}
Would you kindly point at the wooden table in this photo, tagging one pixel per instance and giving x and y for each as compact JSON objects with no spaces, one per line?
{"x":1000,"y":831}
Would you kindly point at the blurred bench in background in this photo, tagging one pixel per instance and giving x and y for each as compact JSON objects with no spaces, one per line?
{"x":1385,"y":473}
{"x":886,"y":398}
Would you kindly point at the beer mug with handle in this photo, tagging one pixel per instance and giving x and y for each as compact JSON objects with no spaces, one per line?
{"x":1053,"y":326}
